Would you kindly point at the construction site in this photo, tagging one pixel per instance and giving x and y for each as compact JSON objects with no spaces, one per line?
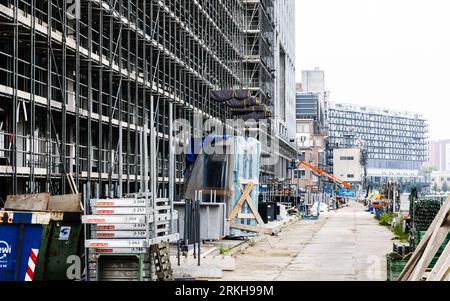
{"x":157,"y":141}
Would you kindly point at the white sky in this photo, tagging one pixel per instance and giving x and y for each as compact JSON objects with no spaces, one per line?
{"x":389,"y":53}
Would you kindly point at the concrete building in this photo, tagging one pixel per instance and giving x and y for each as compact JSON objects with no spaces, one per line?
{"x":440,"y":179}
{"x":310,"y":106}
{"x":311,"y":100}
{"x":347,"y":165}
{"x":310,"y":135}
{"x":284,"y":113}
{"x":439,"y":155}
{"x":395,"y":141}
{"x":311,"y":147}
{"x":313,"y":81}
{"x":269,"y":72}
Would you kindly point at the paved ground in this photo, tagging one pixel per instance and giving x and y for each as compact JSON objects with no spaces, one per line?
{"x":344,"y":245}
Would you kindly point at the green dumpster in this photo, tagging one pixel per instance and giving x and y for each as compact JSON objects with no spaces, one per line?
{"x":395,"y":266}
{"x":62,"y":249}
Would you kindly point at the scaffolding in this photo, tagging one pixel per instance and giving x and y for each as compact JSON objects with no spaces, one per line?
{"x":83,"y":83}
{"x":259,"y":49}
{"x":259,"y":64}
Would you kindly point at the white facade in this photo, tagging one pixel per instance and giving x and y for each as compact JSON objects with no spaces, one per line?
{"x":347,"y":164}
{"x":313,"y":81}
{"x":285,"y":84}
{"x":447,"y":157}
{"x":438,"y":178}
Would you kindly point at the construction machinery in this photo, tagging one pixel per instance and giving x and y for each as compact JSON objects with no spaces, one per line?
{"x":323,"y":173}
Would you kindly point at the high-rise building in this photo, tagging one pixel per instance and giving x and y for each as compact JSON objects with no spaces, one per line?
{"x":439,"y":155}
{"x":269,"y":72}
{"x":309,"y":106}
{"x":311,"y":100}
{"x":310,"y":137}
{"x":395,"y":141}
{"x":313,"y":81}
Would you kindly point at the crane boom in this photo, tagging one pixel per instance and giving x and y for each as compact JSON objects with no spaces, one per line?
{"x":323,"y":173}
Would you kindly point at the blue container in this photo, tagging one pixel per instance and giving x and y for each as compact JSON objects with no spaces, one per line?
{"x":18,"y":235}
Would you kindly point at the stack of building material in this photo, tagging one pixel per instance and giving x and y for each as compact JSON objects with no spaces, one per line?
{"x":417,"y":267}
{"x":126,"y":228}
{"x":44,"y":202}
{"x":424,"y":213}
{"x":243,"y":104}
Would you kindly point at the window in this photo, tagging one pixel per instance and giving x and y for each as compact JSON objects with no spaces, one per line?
{"x":351,"y":176}
{"x":300,"y":174}
{"x":344,"y":158}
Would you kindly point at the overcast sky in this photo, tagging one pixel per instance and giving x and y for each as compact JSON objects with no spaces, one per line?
{"x":390,"y":53}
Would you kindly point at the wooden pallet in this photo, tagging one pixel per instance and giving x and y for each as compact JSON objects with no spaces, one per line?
{"x":161,"y":259}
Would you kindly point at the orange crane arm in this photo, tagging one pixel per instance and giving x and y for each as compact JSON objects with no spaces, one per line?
{"x":323,"y":173}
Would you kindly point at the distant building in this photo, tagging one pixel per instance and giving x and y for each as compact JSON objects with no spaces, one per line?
{"x":311,"y":98}
{"x":310,"y":137}
{"x":347,"y":165}
{"x":313,"y":81}
{"x":439,"y":155}
{"x":311,"y":147}
{"x":439,"y":179}
{"x":395,"y":141}
{"x":310,"y":106}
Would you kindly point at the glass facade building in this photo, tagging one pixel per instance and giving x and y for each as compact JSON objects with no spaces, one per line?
{"x":395,"y":141}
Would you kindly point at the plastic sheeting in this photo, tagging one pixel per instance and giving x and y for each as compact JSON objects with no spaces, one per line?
{"x":225,"y":95}
{"x":220,"y":174}
{"x":257,"y":116}
{"x":245,"y":111}
{"x":243,"y":103}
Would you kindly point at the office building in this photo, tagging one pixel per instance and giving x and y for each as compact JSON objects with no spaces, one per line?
{"x":395,"y":142}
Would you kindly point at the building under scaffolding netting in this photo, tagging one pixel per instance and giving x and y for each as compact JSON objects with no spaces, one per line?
{"x":83,"y":83}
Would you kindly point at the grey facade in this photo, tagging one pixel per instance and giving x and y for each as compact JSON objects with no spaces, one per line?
{"x":308,"y":106}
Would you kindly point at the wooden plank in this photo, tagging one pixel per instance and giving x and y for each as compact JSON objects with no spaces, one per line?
{"x":28,"y":202}
{"x":433,"y":246}
{"x":241,"y":201}
{"x":410,"y":266}
{"x":248,"y":181}
{"x":255,"y":211}
{"x":255,"y":229}
{"x":442,"y":267}
{"x":246,"y":216}
{"x":65,"y":203}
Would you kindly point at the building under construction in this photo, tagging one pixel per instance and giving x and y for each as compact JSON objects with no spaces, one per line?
{"x":83,"y":84}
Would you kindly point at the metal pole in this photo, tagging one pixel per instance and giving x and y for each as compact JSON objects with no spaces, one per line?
{"x":86,"y":250}
{"x":198,"y":231}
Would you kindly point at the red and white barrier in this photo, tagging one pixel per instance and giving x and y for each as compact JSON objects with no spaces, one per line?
{"x":32,"y":260}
